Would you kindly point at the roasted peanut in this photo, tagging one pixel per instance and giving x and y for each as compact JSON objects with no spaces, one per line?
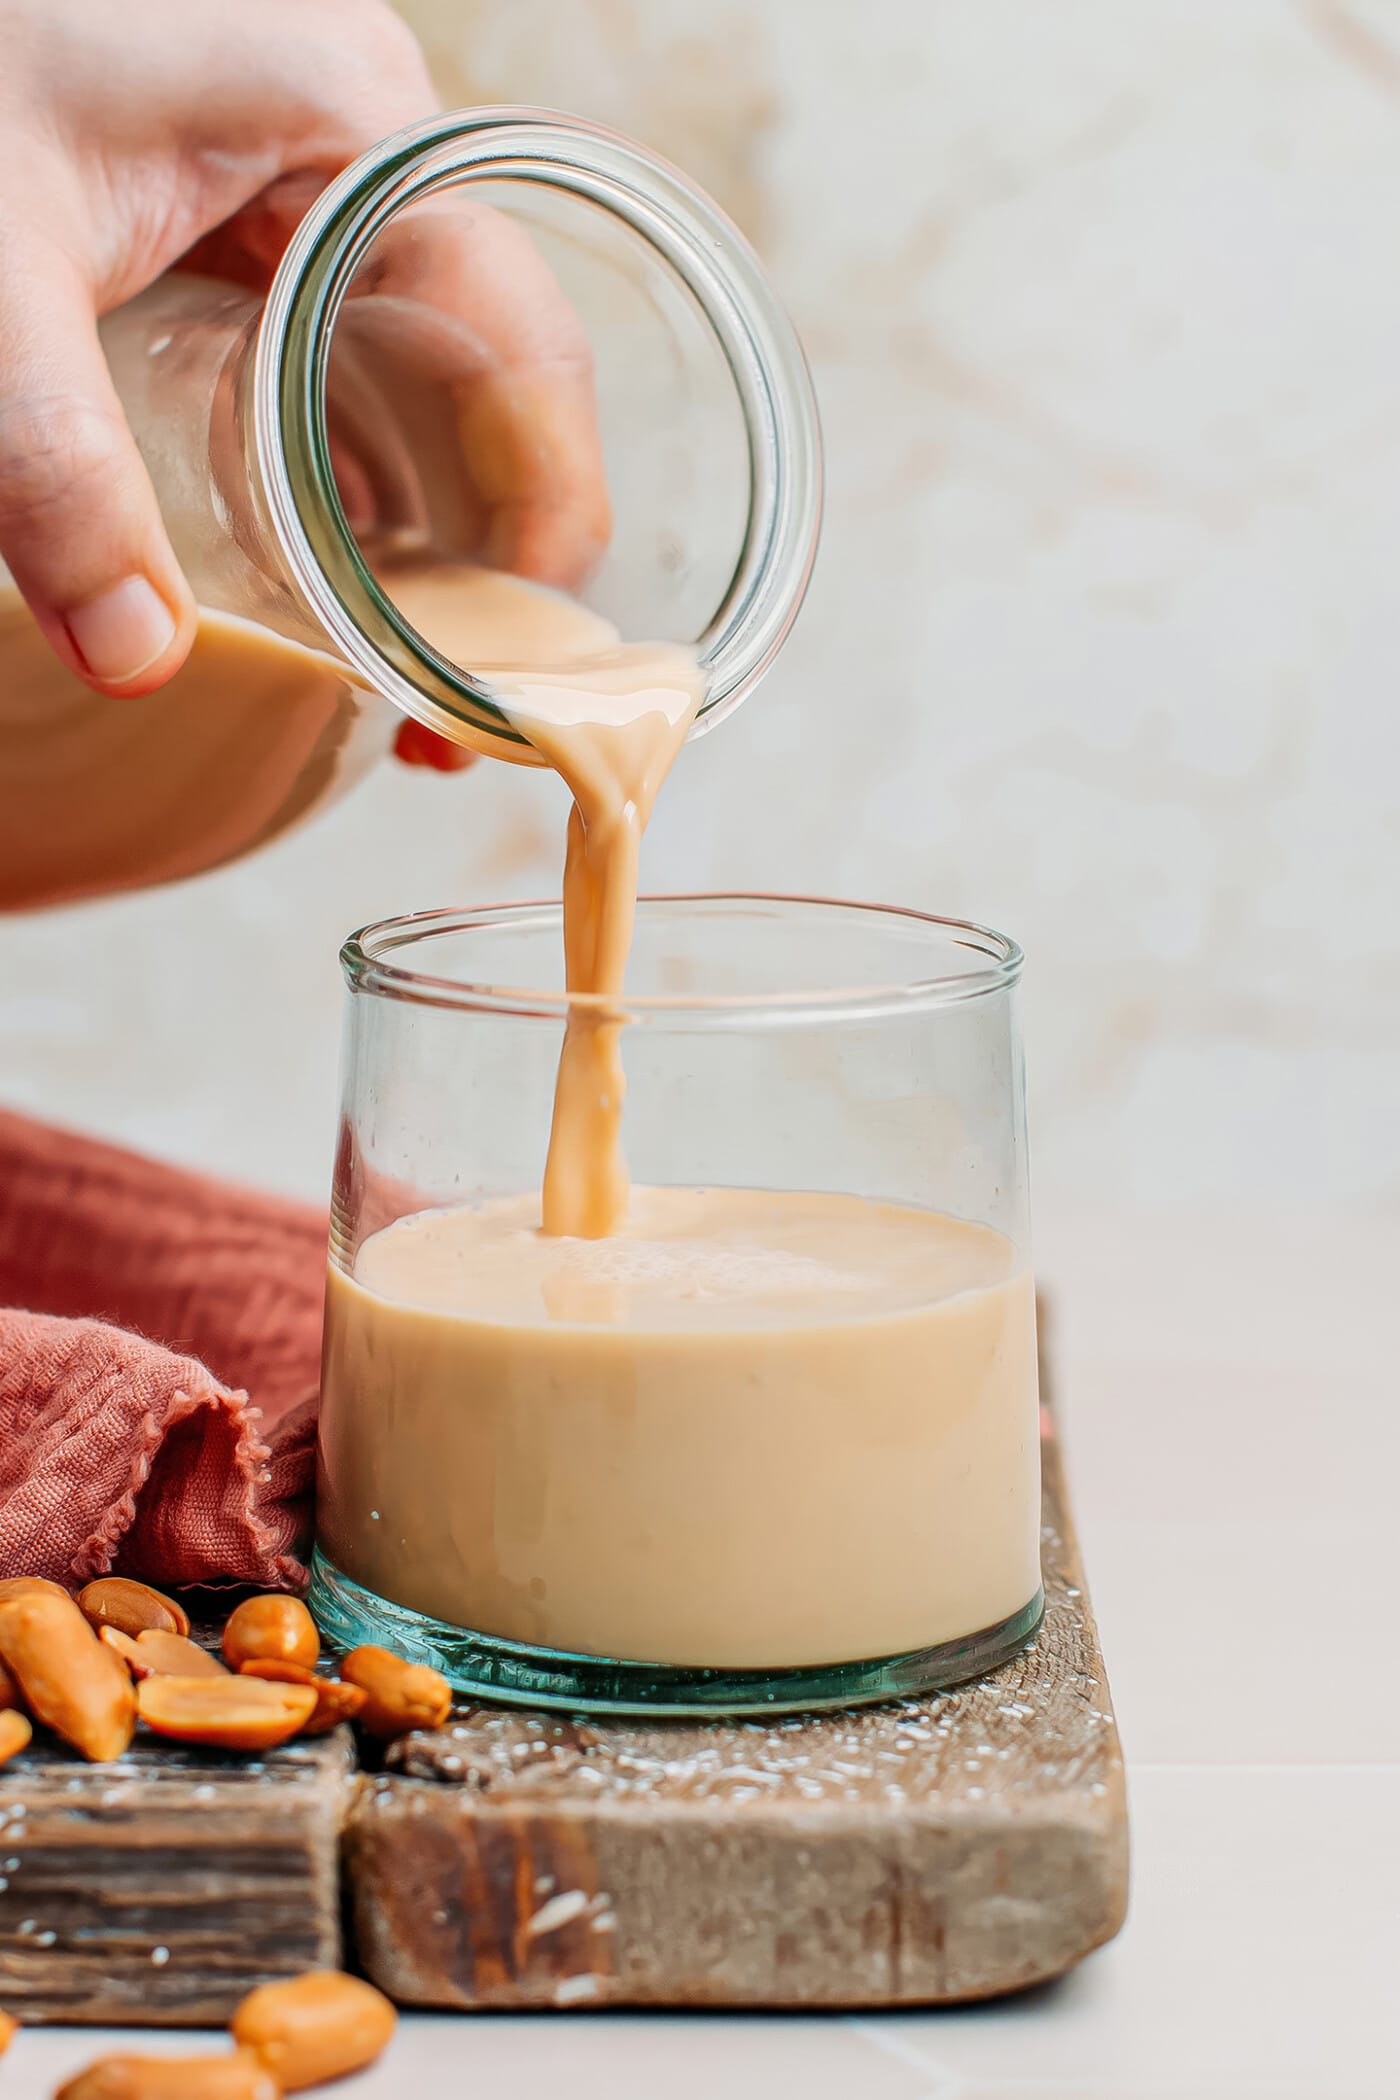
{"x":156,"y":1654}
{"x":237,"y":2076}
{"x":335,"y":1702}
{"x":162,"y":1655}
{"x":9,"y":2028}
{"x":315,"y":2027}
{"x":15,"y":1734}
{"x":171,"y":1655}
{"x":68,"y":1678}
{"x":29,"y":1586}
{"x":123,"y":1645}
{"x":230,"y":1713}
{"x":271,"y":1629}
{"x":132,"y":1607}
{"x":400,"y":1695}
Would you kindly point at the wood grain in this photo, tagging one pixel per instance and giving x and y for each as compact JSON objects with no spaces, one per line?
{"x":157,"y":1890}
{"x":940,"y":1850}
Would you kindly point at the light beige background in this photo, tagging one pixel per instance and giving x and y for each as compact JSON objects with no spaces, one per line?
{"x":1103,"y":300}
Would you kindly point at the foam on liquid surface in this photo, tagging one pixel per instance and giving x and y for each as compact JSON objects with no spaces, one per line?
{"x":685,"y":1259}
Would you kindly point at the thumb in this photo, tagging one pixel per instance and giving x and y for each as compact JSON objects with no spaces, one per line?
{"x":80,"y":528}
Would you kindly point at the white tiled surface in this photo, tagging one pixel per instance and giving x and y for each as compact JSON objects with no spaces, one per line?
{"x":1229,"y":1392}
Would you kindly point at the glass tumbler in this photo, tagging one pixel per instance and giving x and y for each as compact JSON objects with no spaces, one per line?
{"x":807,"y":1477}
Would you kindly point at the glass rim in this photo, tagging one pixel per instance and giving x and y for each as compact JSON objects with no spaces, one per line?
{"x":363,"y":960}
{"x":722,"y":273}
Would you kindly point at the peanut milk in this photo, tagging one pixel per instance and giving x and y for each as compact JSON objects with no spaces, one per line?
{"x":609,"y":717}
{"x":100,"y":795}
{"x":750,"y":1430}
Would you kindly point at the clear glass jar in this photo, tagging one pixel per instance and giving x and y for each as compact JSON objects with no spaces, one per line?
{"x":596,"y":1509}
{"x":244,"y":408}
{"x":708,"y":421}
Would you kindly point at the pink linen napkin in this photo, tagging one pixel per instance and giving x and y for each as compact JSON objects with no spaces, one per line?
{"x":159,"y":1368}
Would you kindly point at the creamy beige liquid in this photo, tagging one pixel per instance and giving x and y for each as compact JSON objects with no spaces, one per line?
{"x":751,"y":1430}
{"x":610,"y":717}
{"x":101,"y":795}
{"x":253,"y":732}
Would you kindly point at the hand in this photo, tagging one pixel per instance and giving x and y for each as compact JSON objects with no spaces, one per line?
{"x":133,"y":137}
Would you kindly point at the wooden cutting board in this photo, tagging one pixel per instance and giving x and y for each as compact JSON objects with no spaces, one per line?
{"x":158,"y":1889}
{"x":930,"y":1852}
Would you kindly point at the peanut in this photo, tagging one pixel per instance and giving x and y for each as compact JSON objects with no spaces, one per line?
{"x":230,"y":1713}
{"x":400,"y":1695}
{"x":157,"y":1654}
{"x":132,"y":1607}
{"x":15,"y":1734}
{"x":68,"y":1678}
{"x":237,"y":2076}
{"x":29,"y":1586}
{"x":123,"y":1645}
{"x":315,"y":2027}
{"x":9,"y":2028}
{"x":335,"y":1702}
{"x":271,"y":1629}
{"x":171,"y":1655}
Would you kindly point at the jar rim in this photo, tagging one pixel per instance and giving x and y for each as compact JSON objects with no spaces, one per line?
{"x":720,"y":270}
{"x":995,"y":965}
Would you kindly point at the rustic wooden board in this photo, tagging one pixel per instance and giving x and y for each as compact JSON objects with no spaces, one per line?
{"x":939,"y":1850}
{"x":159,"y":1889}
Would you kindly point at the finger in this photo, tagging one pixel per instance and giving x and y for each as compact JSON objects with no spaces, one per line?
{"x":531,"y":441}
{"x":463,"y":301}
{"x":319,"y":84}
{"x":527,"y":411}
{"x":80,"y":529}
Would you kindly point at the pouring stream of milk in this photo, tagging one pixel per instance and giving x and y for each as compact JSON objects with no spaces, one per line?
{"x":610,"y":717}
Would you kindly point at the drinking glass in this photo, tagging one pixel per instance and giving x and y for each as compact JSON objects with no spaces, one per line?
{"x":813,"y":1511}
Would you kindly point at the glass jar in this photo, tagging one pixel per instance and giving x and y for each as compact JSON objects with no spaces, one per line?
{"x":247,"y":412}
{"x":807,"y":1482}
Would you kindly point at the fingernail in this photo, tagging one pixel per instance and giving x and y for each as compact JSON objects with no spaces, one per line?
{"x":416,"y":746}
{"x":120,"y":634}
